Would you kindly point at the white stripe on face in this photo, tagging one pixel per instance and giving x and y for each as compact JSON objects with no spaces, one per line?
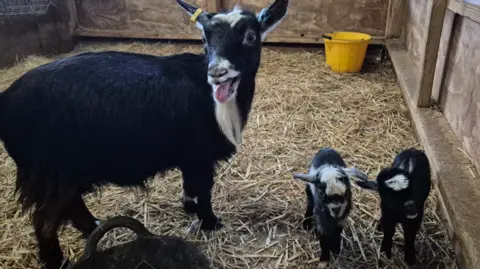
{"x":231,"y":18}
{"x":330,"y":176}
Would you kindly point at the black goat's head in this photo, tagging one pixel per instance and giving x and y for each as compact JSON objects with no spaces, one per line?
{"x":232,"y":41}
{"x":395,"y":190}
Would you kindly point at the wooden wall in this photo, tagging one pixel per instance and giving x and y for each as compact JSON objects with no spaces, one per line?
{"x":23,"y":35}
{"x":459,"y":93}
{"x":306,"y":21}
{"x":414,"y":28}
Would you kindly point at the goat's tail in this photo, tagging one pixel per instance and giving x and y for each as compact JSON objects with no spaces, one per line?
{"x":45,"y":195}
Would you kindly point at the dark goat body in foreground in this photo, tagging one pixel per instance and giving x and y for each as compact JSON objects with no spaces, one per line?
{"x":329,"y":198}
{"x":147,"y":250}
{"x":403,"y":188}
{"x":116,"y":117}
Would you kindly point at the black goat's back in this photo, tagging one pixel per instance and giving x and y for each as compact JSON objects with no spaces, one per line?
{"x":110,"y":117}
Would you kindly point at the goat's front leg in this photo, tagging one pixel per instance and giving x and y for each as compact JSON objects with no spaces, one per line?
{"x":189,"y":199}
{"x":410,"y":229}
{"x":308,"y":221}
{"x":198,"y":182}
{"x":325,"y":248}
{"x":388,"y":232}
{"x":336,"y":241}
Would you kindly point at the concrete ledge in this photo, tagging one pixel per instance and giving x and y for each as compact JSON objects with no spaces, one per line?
{"x":456,"y":180}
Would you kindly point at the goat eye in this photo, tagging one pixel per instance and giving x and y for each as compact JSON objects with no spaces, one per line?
{"x":250,"y":38}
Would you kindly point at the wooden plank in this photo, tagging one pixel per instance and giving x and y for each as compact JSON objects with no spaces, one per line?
{"x":153,"y":17}
{"x":396,"y":13}
{"x":472,"y":11}
{"x":466,"y":9}
{"x":456,"y":6}
{"x":180,"y":36}
{"x":459,"y":188}
{"x":310,"y":19}
{"x":416,"y":20}
{"x":72,"y":9}
{"x":442,"y":54}
{"x":460,"y":91}
{"x":163,"y":19}
{"x":429,"y":59}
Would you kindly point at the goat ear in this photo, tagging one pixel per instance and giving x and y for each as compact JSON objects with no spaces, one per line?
{"x":308,"y":178}
{"x":355,"y":173}
{"x":367,"y":184}
{"x":407,"y":166}
{"x":270,"y":17}
{"x":196,"y":14}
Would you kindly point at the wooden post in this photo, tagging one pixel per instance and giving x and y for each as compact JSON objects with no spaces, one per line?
{"x":442,"y":57}
{"x":429,"y":59}
{"x":396,"y":13}
{"x":72,"y":9}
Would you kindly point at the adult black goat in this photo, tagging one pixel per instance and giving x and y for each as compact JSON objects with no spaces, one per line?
{"x":117,"y":117}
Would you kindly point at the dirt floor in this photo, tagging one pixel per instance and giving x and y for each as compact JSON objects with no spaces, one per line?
{"x":299,"y":107}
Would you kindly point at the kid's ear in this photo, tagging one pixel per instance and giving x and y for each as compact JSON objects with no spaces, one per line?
{"x":307,"y":178}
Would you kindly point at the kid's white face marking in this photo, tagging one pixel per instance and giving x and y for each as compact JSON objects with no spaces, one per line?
{"x":340,"y":207}
{"x":330,"y":176}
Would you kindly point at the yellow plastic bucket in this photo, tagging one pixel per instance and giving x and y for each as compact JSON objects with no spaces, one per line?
{"x":345,"y":51}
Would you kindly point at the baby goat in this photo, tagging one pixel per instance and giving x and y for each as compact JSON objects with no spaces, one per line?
{"x":329,"y":196}
{"x":403,"y":188}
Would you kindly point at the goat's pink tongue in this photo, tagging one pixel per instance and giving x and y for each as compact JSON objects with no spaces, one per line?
{"x":222,"y":92}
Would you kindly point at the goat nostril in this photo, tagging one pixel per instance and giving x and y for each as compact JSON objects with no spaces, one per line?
{"x":217,"y":72}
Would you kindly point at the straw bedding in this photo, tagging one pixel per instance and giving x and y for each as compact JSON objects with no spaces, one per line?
{"x":299,"y":107}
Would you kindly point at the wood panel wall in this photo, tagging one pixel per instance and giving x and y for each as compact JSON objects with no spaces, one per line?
{"x":308,"y":20}
{"x":415,"y":32}
{"x":163,"y":19}
{"x":136,"y":19}
{"x":460,"y":87}
{"x":48,"y":33}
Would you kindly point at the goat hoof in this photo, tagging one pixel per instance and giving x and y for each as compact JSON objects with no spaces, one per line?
{"x":387,"y":251}
{"x":410,"y":259}
{"x":323,"y":264}
{"x":211,"y":225}
{"x":190,"y":207}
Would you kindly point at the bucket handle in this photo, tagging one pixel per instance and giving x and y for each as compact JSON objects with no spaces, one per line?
{"x":326,"y":37}
{"x":112,"y":223}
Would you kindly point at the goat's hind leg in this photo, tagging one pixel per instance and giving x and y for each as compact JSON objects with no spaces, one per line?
{"x":81,"y":217}
{"x":46,"y":225}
